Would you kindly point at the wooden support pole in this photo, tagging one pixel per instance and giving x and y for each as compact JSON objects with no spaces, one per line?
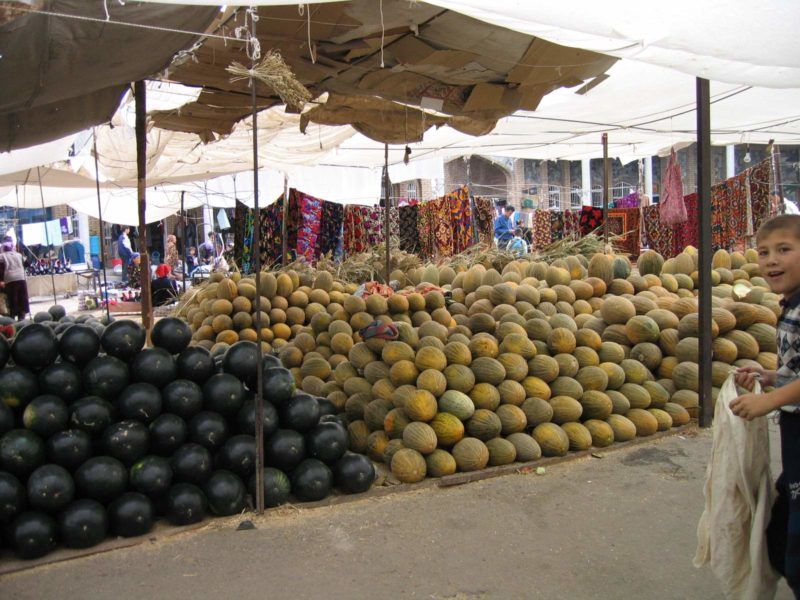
{"x":141,"y":181}
{"x":284,"y":218}
{"x":387,"y":198}
{"x":705,"y":250}
{"x":183,"y":242}
{"x":606,"y":185}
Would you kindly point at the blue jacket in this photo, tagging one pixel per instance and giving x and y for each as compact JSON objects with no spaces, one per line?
{"x":503,"y":229}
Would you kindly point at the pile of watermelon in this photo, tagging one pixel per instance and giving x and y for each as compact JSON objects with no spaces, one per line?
{"x":101,"y":436}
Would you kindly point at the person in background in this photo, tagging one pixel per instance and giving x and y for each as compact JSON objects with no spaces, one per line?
{"x":134,"y":271}
{"x":504,"y":227}
{"x":12,"y":280}
{"x":125,"y":251}
{"x":206,"y":250}
{"x":163,"y":288}
{"x":778,"y":247}
{"x":191,"y":260}
{"x":220,"y":264}
{"x":171,"y":257}
{"x":517,"y":244}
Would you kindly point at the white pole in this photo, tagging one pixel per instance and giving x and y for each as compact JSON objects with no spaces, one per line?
{"x":83,"y":234}
{"x":586,"y":181}
{"x":648,"y":177}
{"x":730,"y":161}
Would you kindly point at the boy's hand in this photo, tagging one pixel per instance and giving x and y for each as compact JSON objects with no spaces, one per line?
{"x":750,"y":406}
{"x":746,"y":376}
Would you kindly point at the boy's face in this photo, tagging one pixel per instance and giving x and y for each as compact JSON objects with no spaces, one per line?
{"x":779,"y":261}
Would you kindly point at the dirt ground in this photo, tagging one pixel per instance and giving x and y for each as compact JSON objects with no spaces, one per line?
{"x":620,"y":526}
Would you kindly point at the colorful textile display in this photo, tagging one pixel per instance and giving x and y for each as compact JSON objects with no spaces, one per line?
{"x":461,"y":220}
{"x":629,"y":201}
{"x":556,"y":225}
{"x":572,"y":224}
{"x":409,"y":234}
{"x":671,"y":207}
{"x":625,"y":221}
{"x":484,"y":220}
{"x":687,"y":233}
{"x":729,"y":213}
{"x":310,"y":225}
{"x":239,"y":231}
{"x":591,"y":218}
{"x":271,"y":223}
{"x":762,"y":208}
{"x":363,"y":228}
{"x":331,"y":230}
{"x":659,"y":237}
{"x":541,"y":235}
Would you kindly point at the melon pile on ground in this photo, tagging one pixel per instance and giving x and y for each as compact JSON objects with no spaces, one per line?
{"x":536,"y":360}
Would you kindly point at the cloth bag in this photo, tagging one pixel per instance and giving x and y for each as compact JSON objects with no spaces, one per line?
{"x":731,"y":534}
{"x":671,"y":208}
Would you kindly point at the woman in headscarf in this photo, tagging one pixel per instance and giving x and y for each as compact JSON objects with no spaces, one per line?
{"x":171,"y":256}
{"x":135,"y":271}
{"x":12,"y":279}
{"x":163,"y":288}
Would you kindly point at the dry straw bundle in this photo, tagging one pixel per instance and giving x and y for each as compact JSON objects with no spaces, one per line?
{"x":275,"y":73}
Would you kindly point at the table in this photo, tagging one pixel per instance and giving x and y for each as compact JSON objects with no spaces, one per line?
{"x":42,"y":285}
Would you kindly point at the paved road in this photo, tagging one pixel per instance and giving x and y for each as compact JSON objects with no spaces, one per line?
{"x":621,"y":526}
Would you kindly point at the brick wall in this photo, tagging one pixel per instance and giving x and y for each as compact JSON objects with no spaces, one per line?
{"x":487,"y":178}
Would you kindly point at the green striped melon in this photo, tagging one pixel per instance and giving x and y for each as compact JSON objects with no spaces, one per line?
{"x":501,"y":452}
{"x":615,"y":374}
{"x":440,"y":463}
{"x":644,"y":421}
{"x":527,"y":448}
{"x":658,"y":395}
{"x":552,"y":440}
{"x":537,"y":411}
{"x":470,"y":454}
{"x":484,"y":425}
{"x":448,"y":429}
{"x":680,"y":416}
{"x":592,"y":378}
{"x":624,"y":429}
{"x":544,"y":367}
{"x":566,"y":386}
{"x":488,"y":370}
{"x":579,"y":437}
{"x":456,"y":403}
{"x":663,"y":417}
{"x":420,"y":437}
{"x":637,"y":396}
{"x":620,"y":404}
{"x":596,"y":405}
{"x":408,"y":465}
{"x":565,"y":409}
{"x":601,"y":432}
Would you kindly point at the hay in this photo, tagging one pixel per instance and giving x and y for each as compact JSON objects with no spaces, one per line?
{"x":275,"y":73}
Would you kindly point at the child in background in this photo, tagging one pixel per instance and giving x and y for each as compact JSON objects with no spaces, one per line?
{"x":517,"y":244}
{"x":191,"y":260}
{"x":778,"y":246}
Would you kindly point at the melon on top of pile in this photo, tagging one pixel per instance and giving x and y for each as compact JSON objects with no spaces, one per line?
{"x":531,"y":360}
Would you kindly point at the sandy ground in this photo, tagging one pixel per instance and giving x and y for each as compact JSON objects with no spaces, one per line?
{"x":620,"y":526}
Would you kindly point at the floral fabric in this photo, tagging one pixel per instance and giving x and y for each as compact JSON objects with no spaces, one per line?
{"x":310,"y":226}
{"x":591,"y":218}
{"x":484,"y":220}
{"x":541,"y":235}
{"x":556,"y":225}
{"x":461,"y":219}
{"x":572,"y":224}
{"x":363,"y":228}
{"x":331,"y":228}
{"x":625,"y":222}
{"x":409,"y":234}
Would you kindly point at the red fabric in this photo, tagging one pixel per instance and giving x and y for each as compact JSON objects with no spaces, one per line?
{"x":163,"y":270}
{"x":671,"y":209}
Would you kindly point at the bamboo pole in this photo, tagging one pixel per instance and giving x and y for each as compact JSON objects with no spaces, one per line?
{"x":141,"y":182}
{"x":386,"y":226}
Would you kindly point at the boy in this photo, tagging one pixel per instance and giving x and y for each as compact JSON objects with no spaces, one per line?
{"x":517,"y":245}
{"x":778,"y":245}
{"x":504,"y":226}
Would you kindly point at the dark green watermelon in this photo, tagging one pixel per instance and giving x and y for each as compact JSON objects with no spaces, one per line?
{"x":246,"y":419}
{"x":139,"y":401}
{"x":45,"y":415}
{"x":123,"y":339}
{"x":353,"y":473}
{"x":238,"y":455}
{"x":79,"y":344}
{"x":42,"y":317}
{"x":32,"y":535}
{"x":185,"y":504}
{"x":277,"y":385}
{"x":34,"y":347}
{"x":18,"y":386}
{"x":154,"y":366}
{"x":62,"y":379}
{"x":311,"y":480}
{"x":340,"y":419}
{"x":69,"y":448}
{"x":191,"y":463}
{"x":209,"y":429}
{"x":50,"y":488}
{"x":195,"y":364}
{"x":276,"y":487}
{"x":12,"y":497}
{"x":5,"y":352}
{"x":61,"y":328}
{"x":326,"y":407}
{"x":171,"y":334}
{"x":225,"y":493}
{"x":223,"y":393}
{"x":151,"y":476}
{"x":269,"y":361}
{"x":57,"y":312}
{"x":21,"y":452}
{"x":241,"y":361}
{"x":167,"y":433}
{"x":327,"y":442}
{"x":284,"y":449}
{"x":127,"y":441}
{"x":105,"y":376}
{"x":131,"y":514}
{"x":91,"y":414}
{"x":183,"y":398}
{"x":102,"y":478}
{"x":300,"y":412}
{"x":7,"y":420}
{"x":83,"y":524}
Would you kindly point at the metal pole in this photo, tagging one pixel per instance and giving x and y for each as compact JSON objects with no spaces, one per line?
{"x":183,"y":242}
{"x":387,"y":196}
{"x":475,"y":238}
{"x":46,"y":234}
{"x":606,"y":183}
{"x":141,"y":168}
{"x":705,"y":251}
{"x":284,"y":218}
{"x":776,"y":176}
{"x":104,"y":291}
{"x":257,"y":243}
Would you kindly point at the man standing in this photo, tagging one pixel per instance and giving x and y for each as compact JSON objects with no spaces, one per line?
{"x":504,"y":227}
{"x":125,"y":251}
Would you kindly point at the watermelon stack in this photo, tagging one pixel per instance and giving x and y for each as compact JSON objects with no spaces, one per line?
{"x":101,"y":436}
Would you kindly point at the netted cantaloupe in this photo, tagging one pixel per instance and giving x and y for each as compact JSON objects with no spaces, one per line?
{"x":408,"y":465}
{"x":552,"y":440}
{"x":637,"y":395}
{"x":395,"y":422}
{"x":664,"y":419}
{"x":440,"y":463}
{"x":485,"y":396}
{"x":565,"y":409}
{"x":592,"y":378}
{"x":650,"y":262}
{"x":421,"y":406}
{"x":460,"y":378}
{"x":420,"y":437}
{"x":579,"y":436}
{"x":430,"y":357}
{"x":456,"y":403}
{"x":644,"y":421}
{"x":470,"y":454}
{"x":488,"y":370}
{"x":448,"y":428}
{"x":601,"y":432}
{"x":526,"y":447}
{"x":624,"y":429}
{"x":357,"y":436}
{"x":565,"y":386}
{"x":602,"y":267}
{"x":484,"y":425}
{"x":501,"y":452}
{"x":403,"y":372}
{"x":432,"y":381}
{"x":615,"y":374}
{"x":680,"y":416}
{"x":375,"y":413}
{"x":617,"y":310}
{"x":658,"y":395}
{"x":596,"y":405}
{"x":512,"y":419}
